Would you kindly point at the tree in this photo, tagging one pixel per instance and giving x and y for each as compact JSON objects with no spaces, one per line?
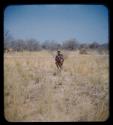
{"x":7,"y":39}
{"x":94,"y":45}
{"x":51,"y":45}
{"x":84,"y":45}
{"x":70,"y":44}
{"x":33,"y":45}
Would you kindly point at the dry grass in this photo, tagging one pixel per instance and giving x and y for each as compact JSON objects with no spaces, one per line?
{"x":35,"y":90}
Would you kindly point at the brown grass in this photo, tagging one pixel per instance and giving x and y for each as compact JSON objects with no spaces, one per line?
{"x":35,"y":90}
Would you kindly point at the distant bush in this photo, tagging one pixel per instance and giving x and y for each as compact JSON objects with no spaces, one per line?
{"x":83,"y":51}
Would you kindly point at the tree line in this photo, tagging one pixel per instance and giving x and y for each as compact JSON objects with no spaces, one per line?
{"x":34,"y":45}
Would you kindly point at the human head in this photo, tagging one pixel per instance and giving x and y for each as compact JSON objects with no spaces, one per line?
{"x":58,"y":52}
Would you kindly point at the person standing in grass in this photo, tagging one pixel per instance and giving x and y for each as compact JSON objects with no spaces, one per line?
{"x":59,"y":59}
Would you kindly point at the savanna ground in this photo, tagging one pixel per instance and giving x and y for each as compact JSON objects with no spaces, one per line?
{"x":34,"y":90}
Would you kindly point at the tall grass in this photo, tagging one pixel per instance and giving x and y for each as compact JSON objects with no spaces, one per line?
{"x":35,"y":90}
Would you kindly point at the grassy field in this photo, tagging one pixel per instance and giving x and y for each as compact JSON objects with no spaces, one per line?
{"x":34,"y":90}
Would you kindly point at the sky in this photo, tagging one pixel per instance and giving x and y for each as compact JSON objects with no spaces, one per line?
{"x":85,"y":23}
